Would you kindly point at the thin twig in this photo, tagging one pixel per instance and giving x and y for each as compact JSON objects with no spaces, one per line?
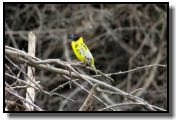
{"x":21,"y":98}
{"x":81,"y":87}
{"x":121,"y":104}
{"x":135,"y":69}
{"x":86,"y":104}
{"x":51,"y":93}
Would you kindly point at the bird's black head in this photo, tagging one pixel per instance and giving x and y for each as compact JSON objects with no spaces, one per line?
{"x":75,"y":37}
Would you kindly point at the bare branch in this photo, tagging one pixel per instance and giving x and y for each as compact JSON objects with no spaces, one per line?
{"x":22,"y":58}
{"x":87,"y":102}
{"x":135,"y":69}
{"x":21,"y":98}
{"x":121,"y":104}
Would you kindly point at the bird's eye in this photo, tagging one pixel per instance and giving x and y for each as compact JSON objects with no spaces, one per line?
{"x":75,"y":36}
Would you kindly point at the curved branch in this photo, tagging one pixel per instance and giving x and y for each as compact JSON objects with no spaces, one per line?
{"x":22,"y":57}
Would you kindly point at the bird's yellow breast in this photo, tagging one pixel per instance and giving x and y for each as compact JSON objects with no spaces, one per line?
{"x":76,"y":46}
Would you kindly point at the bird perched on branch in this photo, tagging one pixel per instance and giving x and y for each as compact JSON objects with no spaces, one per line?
{"x":81,"y":50}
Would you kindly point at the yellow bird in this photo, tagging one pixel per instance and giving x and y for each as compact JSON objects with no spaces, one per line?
{"x":81,"y":51}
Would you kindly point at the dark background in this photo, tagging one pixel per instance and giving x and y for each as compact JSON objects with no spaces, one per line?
{"x":119,"y":36}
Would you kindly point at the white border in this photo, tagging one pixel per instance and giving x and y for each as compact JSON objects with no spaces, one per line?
{"x":6,"y":120}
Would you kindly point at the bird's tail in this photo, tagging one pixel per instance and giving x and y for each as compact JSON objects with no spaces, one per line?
{"x":93,"y":66}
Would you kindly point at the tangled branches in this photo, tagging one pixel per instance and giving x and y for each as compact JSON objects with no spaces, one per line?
{"x":24,"y":58}
{"x":128,"y":43}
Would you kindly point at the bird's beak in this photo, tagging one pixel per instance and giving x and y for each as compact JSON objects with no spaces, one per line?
{"x":71,"y":36}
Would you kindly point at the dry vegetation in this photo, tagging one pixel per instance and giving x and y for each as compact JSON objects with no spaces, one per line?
{"x":121,"y":37}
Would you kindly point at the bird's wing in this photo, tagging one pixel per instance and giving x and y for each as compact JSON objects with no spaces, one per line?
{"x":85,"y":52}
